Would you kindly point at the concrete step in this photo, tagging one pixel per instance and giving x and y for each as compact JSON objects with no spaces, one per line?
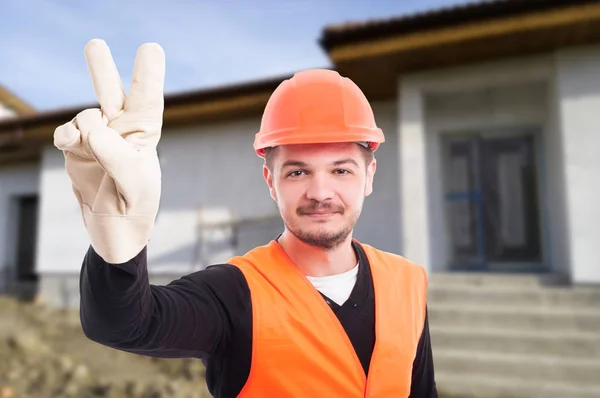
{"x":577,"y":371}
{"x":458,"y":384}
{"x":515,"y":318}
{"x":485,"y":279}
{"x":535,"y":296}
{"x":569,"y":344}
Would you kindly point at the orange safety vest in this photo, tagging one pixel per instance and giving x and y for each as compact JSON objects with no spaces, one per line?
{"x":299,"y":348}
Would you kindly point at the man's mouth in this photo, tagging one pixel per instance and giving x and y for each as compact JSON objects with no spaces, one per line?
{"x":321,"y":214}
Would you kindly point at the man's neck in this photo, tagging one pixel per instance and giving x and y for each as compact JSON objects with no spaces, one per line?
{"x":314,"y":261}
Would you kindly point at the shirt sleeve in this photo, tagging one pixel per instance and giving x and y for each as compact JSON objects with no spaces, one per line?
{"x":423,"y":376}
{"x":188,"y":317}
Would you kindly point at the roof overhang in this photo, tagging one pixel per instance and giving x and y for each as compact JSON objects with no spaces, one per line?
{"x":373,"y":54}
{"x":15,"y":103}
{"x":226,"y":102}
{"x":22,"y":138}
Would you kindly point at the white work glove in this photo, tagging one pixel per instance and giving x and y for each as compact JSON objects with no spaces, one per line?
{"x":110,"y":153}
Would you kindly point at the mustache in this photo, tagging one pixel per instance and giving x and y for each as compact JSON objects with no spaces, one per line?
{"x":314,"y":207}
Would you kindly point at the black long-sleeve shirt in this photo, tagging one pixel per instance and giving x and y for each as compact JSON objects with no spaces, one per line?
{"x":207,"y":315}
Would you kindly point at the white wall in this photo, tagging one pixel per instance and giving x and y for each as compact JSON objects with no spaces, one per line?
{"x":578,"y":102}
{"x":213,"y":167}
{"x":62,"y":238}
{"x":380,"y":222}
{"x":15,"y":180}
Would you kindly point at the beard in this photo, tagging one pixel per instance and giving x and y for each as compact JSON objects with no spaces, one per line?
{"x":327,"y":237}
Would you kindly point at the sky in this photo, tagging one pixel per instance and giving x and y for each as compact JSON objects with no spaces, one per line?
{"x":207,"y":43}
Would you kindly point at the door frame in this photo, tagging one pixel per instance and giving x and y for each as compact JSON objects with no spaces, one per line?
{"x":535,"y":132}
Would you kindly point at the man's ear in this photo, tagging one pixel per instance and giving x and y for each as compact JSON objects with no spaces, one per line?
{"x":268,"y":176}
{"x":370,"y":176}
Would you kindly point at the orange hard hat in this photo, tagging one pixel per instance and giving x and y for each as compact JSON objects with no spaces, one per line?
{"x":317,"y":106}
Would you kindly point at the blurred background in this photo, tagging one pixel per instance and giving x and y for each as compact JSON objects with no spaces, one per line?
{"x":489,"y":177}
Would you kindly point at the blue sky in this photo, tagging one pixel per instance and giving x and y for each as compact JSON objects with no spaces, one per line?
{"x":207,"y":42}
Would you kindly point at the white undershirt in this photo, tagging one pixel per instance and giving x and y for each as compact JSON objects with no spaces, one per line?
{"x":336,"y":287}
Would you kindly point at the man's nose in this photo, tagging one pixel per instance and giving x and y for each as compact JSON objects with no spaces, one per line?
{"x":320,"y":187}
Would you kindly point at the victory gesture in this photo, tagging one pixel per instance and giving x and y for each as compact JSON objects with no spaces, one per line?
{"x":110,"y":153}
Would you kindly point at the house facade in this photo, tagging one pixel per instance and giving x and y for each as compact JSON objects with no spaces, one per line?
{"x":491,"y":113}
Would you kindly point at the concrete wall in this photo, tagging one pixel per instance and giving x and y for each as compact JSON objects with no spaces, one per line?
{"x":578,"y":103}
{"x":213,"y":167}
{"x":380,"y":223}
{"x":15,"y":181}
{"x":62,"y":237}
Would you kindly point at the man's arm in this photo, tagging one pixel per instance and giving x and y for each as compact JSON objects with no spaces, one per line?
{"x":423,"y":375}
{"x":189,"y":317}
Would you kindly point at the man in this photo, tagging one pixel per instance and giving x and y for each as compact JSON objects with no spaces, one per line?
{"x":313,"y":313}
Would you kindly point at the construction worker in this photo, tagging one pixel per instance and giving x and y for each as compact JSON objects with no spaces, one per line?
{"x":312,"y":313}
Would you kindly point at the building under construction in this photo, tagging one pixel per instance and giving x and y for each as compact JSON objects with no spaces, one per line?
{"x":489,"y":178}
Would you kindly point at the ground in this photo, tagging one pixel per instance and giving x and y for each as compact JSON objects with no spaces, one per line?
{"x":44,"y":354}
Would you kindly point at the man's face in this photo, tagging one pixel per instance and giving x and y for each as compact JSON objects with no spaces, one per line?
{"x":320,"y":190}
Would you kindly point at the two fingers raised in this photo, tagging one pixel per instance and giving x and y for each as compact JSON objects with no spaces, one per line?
{"x":146,"y":93}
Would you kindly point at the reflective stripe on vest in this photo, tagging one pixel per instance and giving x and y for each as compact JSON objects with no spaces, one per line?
{"x":300,"y":349}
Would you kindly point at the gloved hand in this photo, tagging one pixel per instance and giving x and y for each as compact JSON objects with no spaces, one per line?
{"x":110,"y":153}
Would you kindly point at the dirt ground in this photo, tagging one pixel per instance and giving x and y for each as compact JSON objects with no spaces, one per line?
{"x":44,"y":354}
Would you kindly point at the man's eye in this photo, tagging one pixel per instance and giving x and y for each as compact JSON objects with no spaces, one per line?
{"x":296,"y":173}
{"x":342,"y":171}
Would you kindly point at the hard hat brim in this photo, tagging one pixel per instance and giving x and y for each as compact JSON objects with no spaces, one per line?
{"x":374,"y":137}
